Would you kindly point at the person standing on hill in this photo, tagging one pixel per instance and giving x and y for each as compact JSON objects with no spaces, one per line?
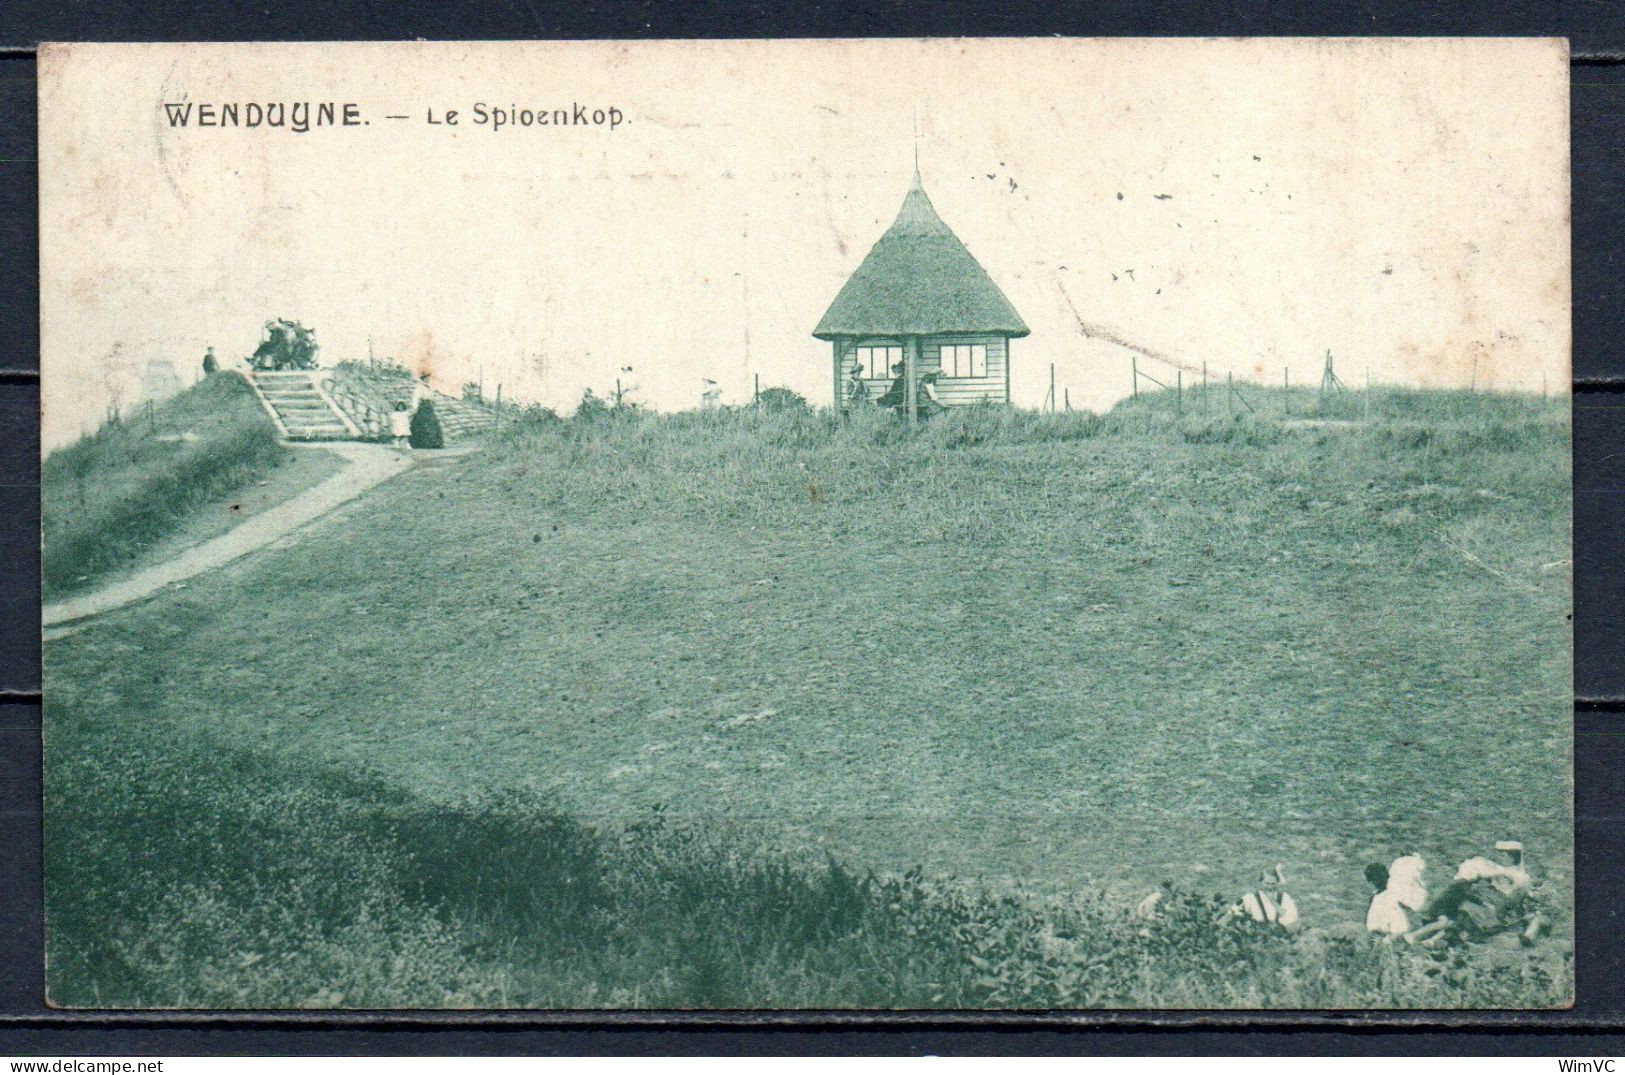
{"x":857,"y":393}
{"x":400,"y":424}
{"x":210,"y":363}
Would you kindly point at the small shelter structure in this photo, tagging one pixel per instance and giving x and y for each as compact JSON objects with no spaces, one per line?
{"x":918,"y":304}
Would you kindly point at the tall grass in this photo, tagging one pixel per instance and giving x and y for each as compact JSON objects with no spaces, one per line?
{"x":110,"y":495}
{"x":730,"y":464}
{"x":203,"y":878}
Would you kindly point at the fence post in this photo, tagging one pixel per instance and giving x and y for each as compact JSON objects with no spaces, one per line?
{"x":1134,"y":367}
{"x":756,"y":391}
{"x":1052,"y":400}
{"x":1068,"y":392}
{"x":1179,"y":393}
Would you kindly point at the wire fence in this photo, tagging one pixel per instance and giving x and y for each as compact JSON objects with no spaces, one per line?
{"x":1208,"y":393}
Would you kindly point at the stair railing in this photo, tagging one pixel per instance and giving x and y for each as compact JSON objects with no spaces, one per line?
{"x":373,"y":421}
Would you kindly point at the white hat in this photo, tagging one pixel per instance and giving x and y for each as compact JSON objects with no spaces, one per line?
{"x":1509,"y":845}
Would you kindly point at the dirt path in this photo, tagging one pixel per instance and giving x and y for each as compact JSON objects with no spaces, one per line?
{"x":368,"y":465}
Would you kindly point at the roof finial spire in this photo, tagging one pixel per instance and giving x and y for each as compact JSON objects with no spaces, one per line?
{"x":917,"y":184}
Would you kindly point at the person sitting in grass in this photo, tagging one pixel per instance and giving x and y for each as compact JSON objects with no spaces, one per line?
{"x":1400,"y":893}
{"x":1379,"y":913}
{"x":1270,"y":903}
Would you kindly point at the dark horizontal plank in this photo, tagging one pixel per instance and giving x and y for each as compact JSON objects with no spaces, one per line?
{"x":1594,"y":27}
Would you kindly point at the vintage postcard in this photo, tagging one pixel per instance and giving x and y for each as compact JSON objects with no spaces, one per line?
{"x":910,"y":524}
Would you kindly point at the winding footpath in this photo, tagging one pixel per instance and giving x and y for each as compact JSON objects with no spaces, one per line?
{"x":368,"y":465}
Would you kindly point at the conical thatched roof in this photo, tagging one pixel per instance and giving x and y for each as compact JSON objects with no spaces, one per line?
{"x":919,"y":280}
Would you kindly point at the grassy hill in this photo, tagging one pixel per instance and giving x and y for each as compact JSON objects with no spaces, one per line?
{"x":1051,"y":660}
{"x":111,"y":496}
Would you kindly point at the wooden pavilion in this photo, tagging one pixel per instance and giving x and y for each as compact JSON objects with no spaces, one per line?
{"x":920,"y":301}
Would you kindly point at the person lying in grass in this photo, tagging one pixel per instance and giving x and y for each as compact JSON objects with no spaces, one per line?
{"x":1487,"y":901}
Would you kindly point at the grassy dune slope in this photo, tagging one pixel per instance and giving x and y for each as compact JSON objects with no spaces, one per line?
{"x":210,"y":878}
{"x":111,"y":496}
{"x":1068,"y":654}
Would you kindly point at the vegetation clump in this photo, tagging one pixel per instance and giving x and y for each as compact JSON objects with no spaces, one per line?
{"x":775,"y":400}
{"x":210,"y":878}
{"x":592,"y":407}
{"x":426,"y":431}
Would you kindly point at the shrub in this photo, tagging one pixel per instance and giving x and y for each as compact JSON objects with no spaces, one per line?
{"x":591,"y":408}
{"x":537,"y":415}
{"x":426,"y":431}
{"x":776,"y":400}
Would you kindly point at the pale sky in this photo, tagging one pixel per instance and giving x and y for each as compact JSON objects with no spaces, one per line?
{"x":1403,"y":203}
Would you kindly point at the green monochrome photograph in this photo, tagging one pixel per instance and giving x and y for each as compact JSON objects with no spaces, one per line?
{"x":988,"y":524}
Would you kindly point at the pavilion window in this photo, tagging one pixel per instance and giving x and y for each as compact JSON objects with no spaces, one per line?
{"x":964,"y":360}
{"x":876,"y":362}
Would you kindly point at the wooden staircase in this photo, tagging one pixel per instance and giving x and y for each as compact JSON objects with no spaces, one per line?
{"x":460,"y":419}
{"x":300,"y":407}
{"x":368,"y":396}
